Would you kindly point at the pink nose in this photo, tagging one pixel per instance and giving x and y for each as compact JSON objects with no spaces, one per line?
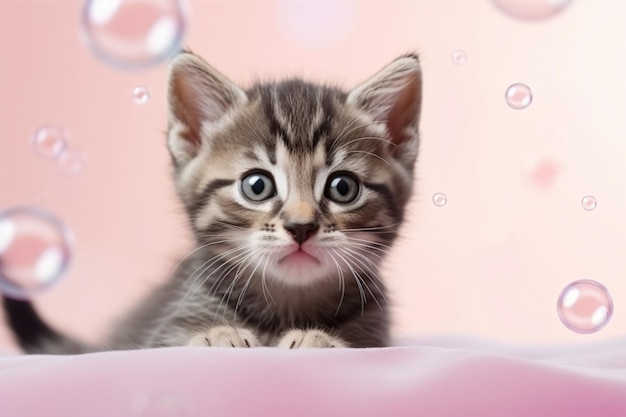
{"x":301,"y":231}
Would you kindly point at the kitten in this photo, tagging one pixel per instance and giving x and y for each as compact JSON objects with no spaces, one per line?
{"x":294,"y":192}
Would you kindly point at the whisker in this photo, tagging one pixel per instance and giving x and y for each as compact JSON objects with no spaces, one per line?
{"x":371,"y":250}
{"x":342,"y":283}
{"x":234,"y":263}
{"x":232,"y":226}
{"x":247,"y":283}
{"x":231,"y":287}
{"x":371,"y":274}
{"x":370,"y":154}
{"x":230,"y":265}
{"x":357,"y":279}
{"x":196,"y":250}
{"x":363,"y":281}
{"x":368,"y":229}
{"x":208,"y":261}
{"x":205,"y":266}
{"x":373,"y":243}
{"x":193,"y":288}
{"x":356,"y":252}
{"x":345,"y":132}
{"x":264,"y":287}
{"x":369,"y":138}
{"x":221,"y":235}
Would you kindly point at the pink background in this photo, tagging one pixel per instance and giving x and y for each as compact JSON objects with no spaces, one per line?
{"x":490,"y":263}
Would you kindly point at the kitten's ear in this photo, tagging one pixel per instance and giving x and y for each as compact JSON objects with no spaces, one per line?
{"x":198,"y":98}
{"x":394,"y":96}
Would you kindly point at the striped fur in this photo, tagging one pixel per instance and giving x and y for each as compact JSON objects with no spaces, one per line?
{"x":242,"y":274}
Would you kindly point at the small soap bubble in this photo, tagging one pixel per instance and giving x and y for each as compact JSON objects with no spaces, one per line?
{"x":518,"y":96}
{"x":71,"y":161}
{"x":49,"y":141}
{"x":141,"y":95}
{"x":35,"y":251}
{"x":458,"y":57}
{"x":440,"y":199}
{"x":531,"y":9}
{"x":134,"y":33}
{"x":585,"y":306}
{"x":589,"y":202}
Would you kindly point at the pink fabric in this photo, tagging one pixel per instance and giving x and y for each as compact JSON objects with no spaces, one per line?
{"x":444,"y":378}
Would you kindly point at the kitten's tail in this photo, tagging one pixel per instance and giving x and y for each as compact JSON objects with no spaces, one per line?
{"x":33,"y":335}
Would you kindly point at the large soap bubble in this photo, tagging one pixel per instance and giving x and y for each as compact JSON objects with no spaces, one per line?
{"x":134,"y":34}
{"x":35,"y":251}
{"x":585,"y":306}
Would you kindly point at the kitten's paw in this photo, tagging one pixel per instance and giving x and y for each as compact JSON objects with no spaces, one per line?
{"x":302,"y":339}
{"x":225,"y":336}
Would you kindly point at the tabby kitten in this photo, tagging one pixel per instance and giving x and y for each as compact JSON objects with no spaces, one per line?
{"x":294,"y":192}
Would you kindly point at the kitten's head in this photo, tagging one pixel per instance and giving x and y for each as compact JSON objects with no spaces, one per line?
{"x":297,"y":181}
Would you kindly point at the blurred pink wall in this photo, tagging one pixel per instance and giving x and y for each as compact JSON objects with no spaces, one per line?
{"x":490,"y":263}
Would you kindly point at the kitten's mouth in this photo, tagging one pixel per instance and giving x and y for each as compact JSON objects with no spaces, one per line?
{"x":299,"y":256}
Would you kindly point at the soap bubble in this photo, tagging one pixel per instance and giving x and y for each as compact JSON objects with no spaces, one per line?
{"x":531,"y":9}
{"x":134,"y":33}
{"x":49,"y":141}
{"x":589,"y":202}
{"x":440,"y":199}
{"x":458,"y":57}
{"x":35,"y":251}
{"x":71,"y":161}
{"x":141,"y":95}
{"x":585,"y":306}
{"x":518,"y":96}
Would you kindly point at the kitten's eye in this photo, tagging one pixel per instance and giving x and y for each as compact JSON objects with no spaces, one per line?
{"x":342,"y":188}
{"x":258,"y":186}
